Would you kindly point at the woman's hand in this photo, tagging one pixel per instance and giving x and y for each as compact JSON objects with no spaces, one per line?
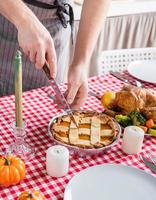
{"x":77,"y":85}
{"x":37,"y":44}
{"x":85,"y":43}
{"x":33,"y":37}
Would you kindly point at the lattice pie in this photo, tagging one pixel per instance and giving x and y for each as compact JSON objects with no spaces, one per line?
{"x":94,"y":130}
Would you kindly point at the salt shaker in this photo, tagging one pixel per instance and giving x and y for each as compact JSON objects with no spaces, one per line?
{"x":57,"y":161}
{"x":133,"y":137}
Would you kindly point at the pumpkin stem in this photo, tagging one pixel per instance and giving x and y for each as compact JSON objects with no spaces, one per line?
{"x":7,"y":162}
{"x":30,"y":195}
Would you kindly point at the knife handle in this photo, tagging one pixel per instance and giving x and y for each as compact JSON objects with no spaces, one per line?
{"x":47,"y":70}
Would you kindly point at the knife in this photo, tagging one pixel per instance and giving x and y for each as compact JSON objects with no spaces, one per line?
{"x":149,"y":164}
{"x":119,"y":76}
{"x":126,"y":80}
{"x":58,"y":93}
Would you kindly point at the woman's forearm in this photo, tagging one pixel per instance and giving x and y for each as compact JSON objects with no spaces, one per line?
{"x":92,"y":18}
{"x":34,"y":39}
{"x":16,"y":12}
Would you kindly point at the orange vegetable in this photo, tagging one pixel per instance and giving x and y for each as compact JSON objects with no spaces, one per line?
{"x":149,"y":123}
{"x":12,"y":170}
{"x":145,"y":129}
{"x":27,"y":195}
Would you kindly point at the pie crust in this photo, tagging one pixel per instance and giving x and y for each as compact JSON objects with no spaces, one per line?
{"x":94,"y":130}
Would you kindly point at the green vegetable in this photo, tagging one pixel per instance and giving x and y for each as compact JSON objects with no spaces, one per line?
{"x":123,"y":120}
{"x":152,"y":131}
{"x":154,"y":127}
{"x":137,"y":118}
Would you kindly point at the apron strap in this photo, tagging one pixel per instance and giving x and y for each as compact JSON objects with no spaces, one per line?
{"x":61,"y":9}
{"x":40,"y":4}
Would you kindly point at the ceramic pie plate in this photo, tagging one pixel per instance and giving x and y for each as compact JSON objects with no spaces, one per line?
{"x":79,"y":150}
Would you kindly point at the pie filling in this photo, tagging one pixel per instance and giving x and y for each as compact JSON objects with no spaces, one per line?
{"x":94,"y":130}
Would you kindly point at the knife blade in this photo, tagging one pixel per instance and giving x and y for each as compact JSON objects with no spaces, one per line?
{"x":118,"y":76}
{"x":149,"y":164}
{"x":58,"y":93}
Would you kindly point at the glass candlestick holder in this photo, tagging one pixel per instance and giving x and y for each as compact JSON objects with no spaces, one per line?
{"x":20,"y":148}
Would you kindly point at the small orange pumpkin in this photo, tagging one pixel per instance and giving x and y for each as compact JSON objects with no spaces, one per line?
{"x":12,"y":170}
{"x":27,"y":195}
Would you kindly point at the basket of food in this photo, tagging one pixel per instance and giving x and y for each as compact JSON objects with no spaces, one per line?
{"x":95,"y":132}
{"x":132,"y":106}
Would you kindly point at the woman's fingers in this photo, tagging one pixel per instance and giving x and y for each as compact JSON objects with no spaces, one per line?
{"x":77,"y":86}
{"x":26,"y":51}
{"x":78,"y":102}
{"x":52,"y":59}
{"x":41,"y":55}
{"x":72,"y":91}
{"x":38,"y":45}
{"x":40,"y":58}
{"x":80,"y":97}
{"x":32,"y":56}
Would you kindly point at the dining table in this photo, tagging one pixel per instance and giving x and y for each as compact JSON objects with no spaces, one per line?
{"x":38,"y":110}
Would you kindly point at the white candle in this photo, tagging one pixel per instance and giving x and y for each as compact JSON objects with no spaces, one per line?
{"x":57,"y":161}
{"x":132,"y":140}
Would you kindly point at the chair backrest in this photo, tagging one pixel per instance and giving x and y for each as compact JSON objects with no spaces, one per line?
{"x":118,"y":60}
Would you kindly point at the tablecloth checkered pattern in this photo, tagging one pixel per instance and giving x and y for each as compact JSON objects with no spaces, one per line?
{"x":38,"y":111}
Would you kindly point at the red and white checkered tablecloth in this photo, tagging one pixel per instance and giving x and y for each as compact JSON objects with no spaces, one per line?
{"x":38,"y":111}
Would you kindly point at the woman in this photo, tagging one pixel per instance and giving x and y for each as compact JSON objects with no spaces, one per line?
{"x":40,"y":32}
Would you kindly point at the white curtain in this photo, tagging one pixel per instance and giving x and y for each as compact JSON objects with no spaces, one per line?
{"x":122,"y":32}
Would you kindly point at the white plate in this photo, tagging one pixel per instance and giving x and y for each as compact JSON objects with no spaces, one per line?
{"x":110,"y":182}
{"x":144,"y":70}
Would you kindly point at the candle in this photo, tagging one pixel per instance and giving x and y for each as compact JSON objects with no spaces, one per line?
{"x":18,"y":89}
{"x":132,"y":140}
{"x":57,"y":161}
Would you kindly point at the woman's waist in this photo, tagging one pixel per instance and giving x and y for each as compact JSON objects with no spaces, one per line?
{"x":43,"y":13}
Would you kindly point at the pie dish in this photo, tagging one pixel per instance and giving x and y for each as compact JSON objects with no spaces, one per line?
{"x":94,"y":131}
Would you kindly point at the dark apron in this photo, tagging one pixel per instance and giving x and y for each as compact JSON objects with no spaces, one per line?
{"x":55,"y":17}
{"x":62,"y":9}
